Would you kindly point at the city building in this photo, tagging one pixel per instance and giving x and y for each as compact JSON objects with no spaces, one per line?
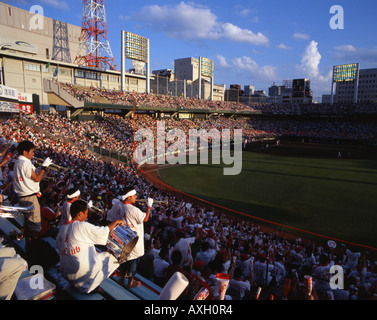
{"x":366,"y":88}
{"x":301,"y":92}
{"x":30,"y":56}
{"x":189,"y":72}
{"x":291,"y":91}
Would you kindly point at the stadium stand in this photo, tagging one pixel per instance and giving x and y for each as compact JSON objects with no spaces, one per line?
{"x":263,"y":260}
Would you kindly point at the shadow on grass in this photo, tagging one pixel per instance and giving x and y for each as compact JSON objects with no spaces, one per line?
{"x":310,"y":177}
{"x":272,"y":162}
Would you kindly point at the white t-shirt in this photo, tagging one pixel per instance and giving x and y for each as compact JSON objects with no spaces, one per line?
{"x":352,"y":259}
{"x":155,"y":252}
{"x":238,"y":288}
{"x":134,"y":218}
{"x":114,"y":212}
{"x":184,"y":245}
{"x":279,"y":272}
{"x":80,"y":263}
{"x":322,"y":277}
{"x":260,"y":272}
{"x":160,"y":266}
{"x":22,"y":183}
{"x":65,"y":212}
{"x":177,"y":221}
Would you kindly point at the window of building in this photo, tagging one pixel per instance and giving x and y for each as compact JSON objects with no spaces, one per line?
{"x":91,"y":75}
{"x":114,"y":78}
{"x":32,"y":67}
{"x":65,"y":72}
{"x":79,"y":74}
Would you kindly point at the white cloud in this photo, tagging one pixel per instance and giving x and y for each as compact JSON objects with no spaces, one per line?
{"x":283,"y":46}
{"x":311,"y":59}
{"x":243,"y":11}
{"x":366,"y":56}
{"x":232,"y":32}
{"x":222,"y":61}
{"x":182,"y":21}
{"x":248,"y":65}
{"x":346,"y":48}
{"x":54,"y":3}
{"x":302,"y":36}
{"x":193,"y":22}
{"x":309,"y":68}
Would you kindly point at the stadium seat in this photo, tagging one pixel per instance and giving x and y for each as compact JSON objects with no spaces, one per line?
{"x":116,"y":291}
{"x":146,"y":291}
{"x":51,"y":241}
{"x":56,"y":277}
{"x":8,"y":228}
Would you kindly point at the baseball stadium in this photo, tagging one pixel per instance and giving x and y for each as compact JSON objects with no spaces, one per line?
{"x":302,"y":200}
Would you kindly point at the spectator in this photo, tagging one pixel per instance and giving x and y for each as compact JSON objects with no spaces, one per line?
{"x":134,"y":218}
{"x":160,"y":265}
{"x":146,"y":263}
{"x":73,"y":195}
{"x":176,"y":258}
{"x":322,"y":276}
{"x":11,"y":268}
{"x":26,"y":185}
{"x":80,"y":263}
{"x":237,"y":287}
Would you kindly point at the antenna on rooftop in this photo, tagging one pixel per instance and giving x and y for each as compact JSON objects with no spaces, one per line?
{"x":94,"y":47}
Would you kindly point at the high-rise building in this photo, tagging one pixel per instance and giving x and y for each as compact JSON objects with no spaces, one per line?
{"x":366,"y":88}
{"x":301,"y":92}
{"x":186,"y":69}
{"x":196,"y":70}
{"x":248,"y":90}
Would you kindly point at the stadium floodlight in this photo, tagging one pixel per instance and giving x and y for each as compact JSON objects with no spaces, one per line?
{"x":206,"y":67}
{"x":136,"y":48}
{"x":346,"y":73}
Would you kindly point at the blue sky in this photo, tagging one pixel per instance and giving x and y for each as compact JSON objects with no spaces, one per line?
{"x":255,"y":42}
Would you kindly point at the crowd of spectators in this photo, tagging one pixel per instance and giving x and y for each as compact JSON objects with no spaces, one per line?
{"x":196,"y":240}
{"x":100,"y":95}
{"x":116,"y":133}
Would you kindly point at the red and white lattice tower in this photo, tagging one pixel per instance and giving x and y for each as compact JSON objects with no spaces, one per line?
{"x":94,"y":47}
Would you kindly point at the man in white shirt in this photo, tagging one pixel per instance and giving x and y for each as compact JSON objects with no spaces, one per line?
{"x":262,"y":271}
{"x":11,"y":268}
{"x":204,"y":254}
{"x":237,"y":287}
{"x":352,"y":259}
{"x":184,"y":246}
{"x":114,"y":212}
{"x":321,"y":275}
{"x":134,"y":218}
{"x":160,"y":265}
{"x":279,"y":271}
{"x":26,"y":186}
{"x":73,"y":195}
{"x":80,"y":263}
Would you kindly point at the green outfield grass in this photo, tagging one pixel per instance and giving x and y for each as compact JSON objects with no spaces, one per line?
{"x":331,"y":197}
